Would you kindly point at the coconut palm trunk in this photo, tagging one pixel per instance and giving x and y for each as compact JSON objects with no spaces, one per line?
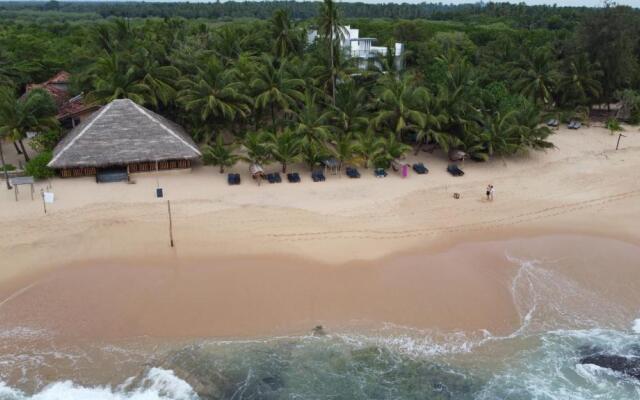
{"x":333,"y":71}
{"x":17,"y":148}
{"x":4,"y":167}
{"x":273,"y":118}
{"x":24,"y":151}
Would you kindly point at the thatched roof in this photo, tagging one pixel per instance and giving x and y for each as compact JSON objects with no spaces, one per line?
{"x":123,"y":132}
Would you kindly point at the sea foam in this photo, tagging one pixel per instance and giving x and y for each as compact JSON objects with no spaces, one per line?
{"x":158,"y":384}
{"x":636,"y":326}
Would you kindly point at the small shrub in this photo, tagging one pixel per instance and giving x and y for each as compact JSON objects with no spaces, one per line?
{"x":37,"y":167}
{"x":8,"y":167}
{"x":46,"y":141}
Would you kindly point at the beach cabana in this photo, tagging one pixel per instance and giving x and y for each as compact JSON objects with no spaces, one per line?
{"x":332,"y":165}
{"x":123,"y":137}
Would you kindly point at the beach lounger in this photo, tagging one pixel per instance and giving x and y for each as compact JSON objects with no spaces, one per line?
{"x":553,"y":123}
{"x":380,"y":173}
{"x":233,"y":179}
{"x":293,"y":177}
{"x":575,"y":125}
{"x":454,"y":170}
{"x":317,"y":176}
{"x":420,"y":169}
{"x":353,"y":172}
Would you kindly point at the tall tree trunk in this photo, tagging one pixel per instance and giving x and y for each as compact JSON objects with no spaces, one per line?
{"x":284,"y":167}
{"x":17,"y":148}
{"x":333,"y":76}
{"x":4,"y":168}
{"x":24,"y":151}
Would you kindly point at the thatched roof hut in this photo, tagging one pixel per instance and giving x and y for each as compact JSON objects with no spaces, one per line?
{"x":122,"y":133}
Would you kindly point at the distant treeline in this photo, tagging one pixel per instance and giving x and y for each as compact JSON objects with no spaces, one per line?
{"x":521,"y":16}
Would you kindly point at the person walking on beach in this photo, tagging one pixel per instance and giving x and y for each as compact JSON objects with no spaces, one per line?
{"x":492,"y":192}
{"x":488,"y":192}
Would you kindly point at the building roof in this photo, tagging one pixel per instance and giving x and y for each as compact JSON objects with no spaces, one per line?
{"x":123,"y":132}
{"x":62,"y":77}
{"x":59,"y":91}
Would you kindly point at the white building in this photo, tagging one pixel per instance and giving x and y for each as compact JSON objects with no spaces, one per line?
{"x":362,"y":48}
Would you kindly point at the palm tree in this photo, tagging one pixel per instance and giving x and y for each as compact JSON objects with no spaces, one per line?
{"x":398,"y":104}
{"x":312,"y":122}
{"x":536,"y":76}
{"x":343,"y":149}
{"x":390,"y":149}
{"x":313,"y":154}
{"x":214,"y":95}
{"x":531,"y":134}
{"x":275,"y":88}
{"x":367,"y":146}
{"x":160,"y":79}
{"x":285,"y":147}
{"x":33,"y":113}
{"x":329,"y":28}
{"x":580,"y":83}
{"x":284,"y":36}
{"x":350,"y":112}
{"x":114,"y":79}
{"x":220,"y":154}
{"x":256,"y":144}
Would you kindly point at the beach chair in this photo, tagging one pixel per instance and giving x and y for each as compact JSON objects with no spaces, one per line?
{"x":553,"y":123}
{"x":420,"y":169}
{"x":276,"y":177}
{"x":380,"y":173}
{"x":293,"y":177}
{"x":317,"y":176}
{"x":233,"y":179}
{"x":270,"y":178}
{"x":454,"y":170}
{"x":353,"y":173}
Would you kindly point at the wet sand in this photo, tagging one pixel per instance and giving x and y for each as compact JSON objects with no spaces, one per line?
{"x":466,"y":288}
{"x":250,"y":296}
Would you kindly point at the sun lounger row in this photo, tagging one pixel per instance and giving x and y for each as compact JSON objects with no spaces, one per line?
{"x":420,"y":169}
{"x":454,"y":170}
{"x":233,"y":179}
{"x":353,"y":172}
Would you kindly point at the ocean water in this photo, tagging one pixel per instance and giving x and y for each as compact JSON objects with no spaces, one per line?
{"x":560,"y":322}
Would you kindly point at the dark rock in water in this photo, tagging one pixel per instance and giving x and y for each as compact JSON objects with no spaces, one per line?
{"x":626,"y":365}
{"x":318,"y":331}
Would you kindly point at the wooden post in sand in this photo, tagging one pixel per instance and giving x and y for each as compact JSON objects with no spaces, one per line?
{"x":170,"y":223}
{"x":619,"y":137}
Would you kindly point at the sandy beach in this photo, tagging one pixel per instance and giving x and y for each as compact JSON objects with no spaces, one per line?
{"x":318,"y":251}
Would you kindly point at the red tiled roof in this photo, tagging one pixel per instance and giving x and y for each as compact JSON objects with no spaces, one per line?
{"x":73,"y":107}
{"x":60,"y":77}
{"x":59,"y":95}
{"x":66,"y":107}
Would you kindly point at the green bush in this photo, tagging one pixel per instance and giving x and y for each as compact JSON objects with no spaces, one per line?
{"x":8,"y":167}
{"x":37,"y":167}
{"x":46,"y":141}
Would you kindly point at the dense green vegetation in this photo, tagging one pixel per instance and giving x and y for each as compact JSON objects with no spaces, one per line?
{"x":477,"y":78}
